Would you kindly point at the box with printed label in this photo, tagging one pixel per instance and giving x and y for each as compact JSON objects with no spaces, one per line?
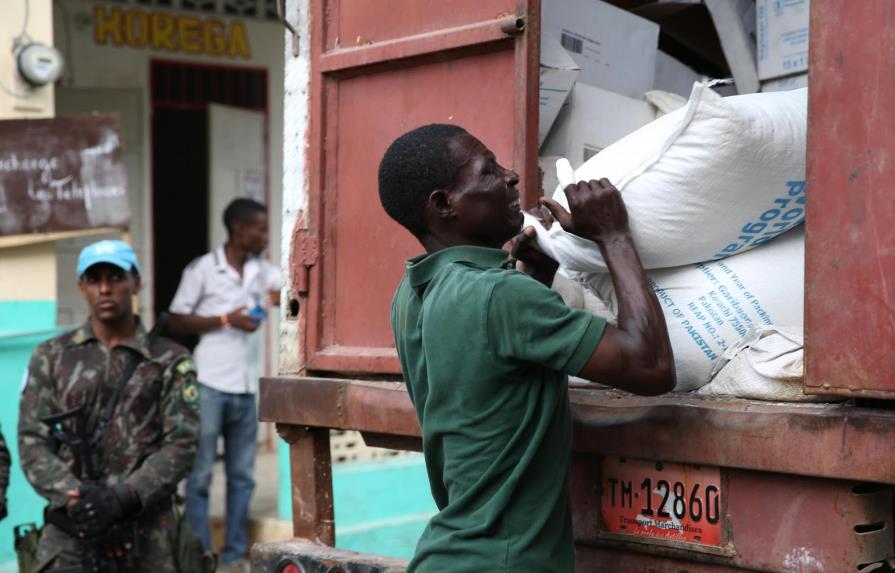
{"x":787,"y":83}
{"x":782,"y":37}
{"x":558,"y":73}
{"x":593,"y":119}
{"x":615,"y":49}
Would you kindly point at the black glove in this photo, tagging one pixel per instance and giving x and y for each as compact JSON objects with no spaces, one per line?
{"x":101,"y":507}
{"x":2,"y":508}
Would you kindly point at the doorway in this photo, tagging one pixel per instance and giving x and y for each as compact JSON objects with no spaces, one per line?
{"x":184,"y":161}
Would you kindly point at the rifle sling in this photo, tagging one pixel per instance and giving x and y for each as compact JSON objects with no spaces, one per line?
{"x":98,"y":424}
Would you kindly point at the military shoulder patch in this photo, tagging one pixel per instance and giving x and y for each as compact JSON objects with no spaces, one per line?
{"x":191,"y":392}
{"x":186,"y":366}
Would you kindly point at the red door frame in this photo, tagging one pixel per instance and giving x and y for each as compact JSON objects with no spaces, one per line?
{"x":849,"y":259}
{"x":330,"y":64}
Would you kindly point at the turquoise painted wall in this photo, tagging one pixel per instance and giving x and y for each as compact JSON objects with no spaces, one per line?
{"x":381,"y":506}
{"x":23,"y":325}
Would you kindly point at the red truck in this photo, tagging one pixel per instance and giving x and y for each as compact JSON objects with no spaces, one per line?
{"x":757,"y":486}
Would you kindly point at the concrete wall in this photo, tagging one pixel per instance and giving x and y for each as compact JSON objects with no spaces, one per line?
{"x":23,"y":325}
{"x":296,"y":102}
{"x":28,"y":272}
{"x":97,"y":76}
{"x":100,"y":58}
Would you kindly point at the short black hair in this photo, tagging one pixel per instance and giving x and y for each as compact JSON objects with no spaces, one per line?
{"x":241,"y":211}
{"x":413,"y":166}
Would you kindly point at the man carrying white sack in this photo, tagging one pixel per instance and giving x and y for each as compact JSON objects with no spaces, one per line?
{"x":716,"y":195}
{"x":485,"y":350}
{"x":709,"y":306}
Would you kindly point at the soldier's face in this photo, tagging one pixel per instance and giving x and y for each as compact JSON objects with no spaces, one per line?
{"x":108,"y":289}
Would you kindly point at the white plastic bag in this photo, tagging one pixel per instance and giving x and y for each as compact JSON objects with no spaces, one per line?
{"x":709,"y":307}
{"x":715,"y":178}
{"x":767,"y":364}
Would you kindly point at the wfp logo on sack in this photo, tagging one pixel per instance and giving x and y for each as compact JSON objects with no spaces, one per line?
{"x":784,"y":213}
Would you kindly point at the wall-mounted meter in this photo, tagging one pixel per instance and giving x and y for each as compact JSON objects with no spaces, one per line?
{"x":39,"y":64}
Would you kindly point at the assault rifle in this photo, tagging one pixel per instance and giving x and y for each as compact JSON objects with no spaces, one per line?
{"x":81,"y":444}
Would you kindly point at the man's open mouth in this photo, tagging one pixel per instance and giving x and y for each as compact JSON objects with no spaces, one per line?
{"x":516,"y":203}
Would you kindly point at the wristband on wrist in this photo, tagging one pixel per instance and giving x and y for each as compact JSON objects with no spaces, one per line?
{"x":225,"y":320}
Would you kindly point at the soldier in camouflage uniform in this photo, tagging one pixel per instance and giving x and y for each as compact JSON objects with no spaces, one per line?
{"x":149,"y":443}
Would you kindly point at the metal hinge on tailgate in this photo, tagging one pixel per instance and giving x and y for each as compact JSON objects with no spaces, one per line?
{"x":305,"y":251}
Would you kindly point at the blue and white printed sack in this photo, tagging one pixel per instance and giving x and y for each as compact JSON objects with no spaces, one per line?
{"x":715,"y":178}
{"x":710,"y":307}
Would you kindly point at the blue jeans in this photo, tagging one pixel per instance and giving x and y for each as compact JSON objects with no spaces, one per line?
{"x":233,"y":416}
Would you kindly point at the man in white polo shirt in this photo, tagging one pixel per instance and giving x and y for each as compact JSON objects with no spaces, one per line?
{"x":224,"y":296}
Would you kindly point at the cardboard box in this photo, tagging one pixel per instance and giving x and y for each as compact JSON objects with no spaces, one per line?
{"x":674,"y":76}
{"x":782,"y":37}
{"x":558,"y":73}
{"x":592,"y":120}
{"x":615,"y":49}
{"x":787,"y":83}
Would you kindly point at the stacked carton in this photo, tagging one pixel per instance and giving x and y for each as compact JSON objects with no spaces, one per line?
{"x":602,"y":78}
{"x":782,"y":43}
{"x":597,"y":62}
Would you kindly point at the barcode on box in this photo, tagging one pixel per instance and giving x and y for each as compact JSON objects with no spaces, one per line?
{"x":571,"y":43}
{"x":590,"y":151}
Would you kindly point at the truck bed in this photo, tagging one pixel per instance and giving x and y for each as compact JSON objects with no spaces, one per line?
{"x":840,"y":441}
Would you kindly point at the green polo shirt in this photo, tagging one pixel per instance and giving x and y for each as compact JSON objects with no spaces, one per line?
{"x":485,"y":351}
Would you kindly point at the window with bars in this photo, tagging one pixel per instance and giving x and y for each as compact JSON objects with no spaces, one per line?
{"x":185,"y":85}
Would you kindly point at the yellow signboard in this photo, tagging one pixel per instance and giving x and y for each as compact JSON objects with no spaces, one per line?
{"x":170,"y":32}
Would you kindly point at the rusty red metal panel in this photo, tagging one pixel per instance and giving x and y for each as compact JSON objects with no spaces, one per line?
{"x":775,"y":523}
{"x":359,"y":22}
{"x":823,"y":440}
{"x":309,"y":557}
{"x":379,"y":407}
{"x":850,"y":239}
{"x":374,"y":77}
{"x":604,"y":560}
{"x":312,"y":487}
{"x":829,"y":440}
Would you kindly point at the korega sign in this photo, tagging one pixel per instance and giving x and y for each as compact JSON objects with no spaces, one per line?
{"x":162,"y":31}
{"x":62,"y":174}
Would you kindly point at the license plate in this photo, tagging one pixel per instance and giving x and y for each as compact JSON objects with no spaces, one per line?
{"x":672,"y":502}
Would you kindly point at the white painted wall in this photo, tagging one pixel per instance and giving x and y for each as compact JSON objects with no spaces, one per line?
{"x":26,"y":272}
{"x":296,"y":100}
{"x":128,"y":104}
{"x":93,"y":66}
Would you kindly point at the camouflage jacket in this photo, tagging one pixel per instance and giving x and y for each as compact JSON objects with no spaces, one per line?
{"x":150,"y":442}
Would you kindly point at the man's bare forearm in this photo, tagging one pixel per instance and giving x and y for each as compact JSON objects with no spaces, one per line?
{"x":192,"y":324}
{"x":640,"y":315}
{"x":636,"y":355}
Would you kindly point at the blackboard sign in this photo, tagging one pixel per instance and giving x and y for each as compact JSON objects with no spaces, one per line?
{"x":62,"y":174}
